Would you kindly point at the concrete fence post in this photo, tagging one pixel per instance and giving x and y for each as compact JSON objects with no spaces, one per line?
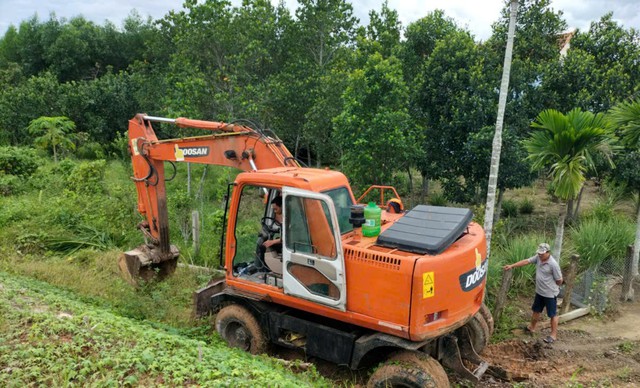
{"x":627,"y":279}
{"x":569,"y":281}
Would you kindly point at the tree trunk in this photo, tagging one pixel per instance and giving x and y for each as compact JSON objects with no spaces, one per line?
{"x":424,"y":193}
{"x":201,"y":185}
{"x":318,"y":158}
{"x":55,"y":154}
{"x":636,"y":244}
{"x":497,"y":137}
{"x":557,"y":245}
{"x":576,"y":211}
{"x":498,"y":206}
{"x":297,"y":147}
{"x":569,"y":218}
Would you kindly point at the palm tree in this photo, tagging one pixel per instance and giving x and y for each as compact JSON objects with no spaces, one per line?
{"x":626,"y":117}
{"x":566,"y":145}
{"x":497,"y":137}
{"x":57,"y":133}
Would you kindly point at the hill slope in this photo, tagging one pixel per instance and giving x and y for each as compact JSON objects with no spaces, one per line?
{"x":49,"y":337}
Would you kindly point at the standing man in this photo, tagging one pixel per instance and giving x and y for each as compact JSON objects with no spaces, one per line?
{"x":548,"y":280}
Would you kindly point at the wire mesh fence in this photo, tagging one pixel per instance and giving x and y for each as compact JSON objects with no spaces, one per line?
{"x":593,"y":286}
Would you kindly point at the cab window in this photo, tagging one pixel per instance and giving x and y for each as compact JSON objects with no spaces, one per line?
{"x":342,"y":201}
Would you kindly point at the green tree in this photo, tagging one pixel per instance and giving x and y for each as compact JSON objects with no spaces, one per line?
{"x":515,"y":170}
{"x":326,"y":31}
{"x":626,"y":117}
{"x":56,"y":133}
{"x":375,"y":132}
{"x":451,"y":101}
{"x":36,"y":96}
{"x":421,"y":39}
{"x":615,"y":52}
{"x":382,"y":34}
{"x":220,"y":70}
{"x":598,"y":70}
{"x":566,"y":146}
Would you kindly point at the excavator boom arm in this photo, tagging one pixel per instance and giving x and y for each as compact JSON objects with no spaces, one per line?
{"x":230,"y":145}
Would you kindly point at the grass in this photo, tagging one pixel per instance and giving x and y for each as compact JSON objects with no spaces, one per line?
{"x":603,"y":242}
{"x":95,"y":276}
{"x":49,"y":337}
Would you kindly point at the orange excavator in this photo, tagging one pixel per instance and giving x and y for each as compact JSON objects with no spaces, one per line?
{"x":409,"y":299}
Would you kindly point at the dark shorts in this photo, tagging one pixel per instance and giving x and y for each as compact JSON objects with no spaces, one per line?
{"x":540,"y":302}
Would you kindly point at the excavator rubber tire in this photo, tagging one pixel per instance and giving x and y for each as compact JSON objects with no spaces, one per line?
{"x":478,"y":332}
{"x":240,"y":329}
{"x":409,"y":369}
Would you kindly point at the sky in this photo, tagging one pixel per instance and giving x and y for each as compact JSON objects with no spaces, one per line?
{"x":475,"y":15}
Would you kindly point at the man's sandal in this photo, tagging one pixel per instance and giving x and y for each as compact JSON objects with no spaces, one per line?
{"x":549,"y":339}
{"x":527,"y":330}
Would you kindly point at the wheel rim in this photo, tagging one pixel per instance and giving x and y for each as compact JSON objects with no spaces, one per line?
{"x":238,"y":336}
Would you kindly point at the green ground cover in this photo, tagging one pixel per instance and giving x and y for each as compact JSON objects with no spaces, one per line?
{"x":50,"y":337}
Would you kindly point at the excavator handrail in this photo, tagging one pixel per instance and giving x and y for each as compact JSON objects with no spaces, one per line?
{"x":382,"y":188}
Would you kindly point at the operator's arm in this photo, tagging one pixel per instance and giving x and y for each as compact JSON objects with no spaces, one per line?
{"x":270,"y":243}
{"x":520,"y":263}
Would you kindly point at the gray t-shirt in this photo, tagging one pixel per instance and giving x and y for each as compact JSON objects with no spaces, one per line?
{"x":546,"y":275}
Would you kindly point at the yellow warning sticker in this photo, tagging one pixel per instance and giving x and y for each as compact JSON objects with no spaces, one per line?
{"x":428,"y":285}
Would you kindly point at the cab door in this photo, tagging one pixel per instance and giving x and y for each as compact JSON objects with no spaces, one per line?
{"x":312,"y":257}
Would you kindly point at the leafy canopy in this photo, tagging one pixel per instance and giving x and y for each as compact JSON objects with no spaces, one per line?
{"x":567,"y":144}
{"x":56,"y":133}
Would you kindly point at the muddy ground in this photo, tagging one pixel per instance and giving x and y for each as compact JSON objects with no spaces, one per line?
{"x":592,"y":351}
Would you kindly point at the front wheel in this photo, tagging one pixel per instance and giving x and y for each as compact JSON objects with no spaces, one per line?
{"x":409,"y":369}
{"x":240,"y":329}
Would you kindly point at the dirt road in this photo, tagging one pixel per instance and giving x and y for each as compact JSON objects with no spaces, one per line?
{"x":591,"y":352}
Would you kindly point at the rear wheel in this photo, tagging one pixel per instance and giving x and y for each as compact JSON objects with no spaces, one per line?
{"x":240,"y":329}
{"x":409,"y":369}
{"x":488,"y":317}
{"x":478,"y":332}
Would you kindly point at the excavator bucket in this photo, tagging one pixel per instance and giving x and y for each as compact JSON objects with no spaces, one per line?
{"x":144,"y":264}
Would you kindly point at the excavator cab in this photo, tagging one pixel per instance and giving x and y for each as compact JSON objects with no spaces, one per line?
{"x":308,"y":262}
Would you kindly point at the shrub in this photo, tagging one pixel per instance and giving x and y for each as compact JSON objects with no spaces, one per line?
{"x":87,"y":177}
{"x":64,"y":167}
{"x":526,"y":206}
{"x":20,"y":162}
{"x":438,"y":199}
{"x":9,"y":184}
{"x":34,"y":243}
{"x":91,"y":151}
{"x":509,"y":208}
{"x":602,"y":241}
{"x":120,"y":147}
